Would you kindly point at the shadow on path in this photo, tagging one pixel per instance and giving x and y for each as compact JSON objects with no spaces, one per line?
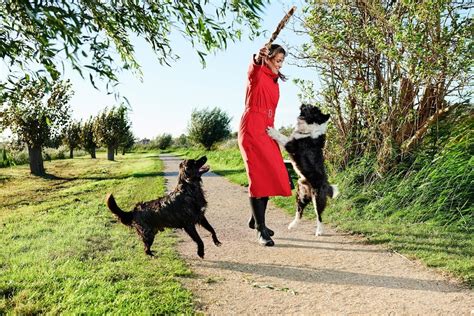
{"x":329,"y":276}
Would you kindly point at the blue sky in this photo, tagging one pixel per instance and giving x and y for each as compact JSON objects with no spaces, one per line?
{"x":164,"y":100}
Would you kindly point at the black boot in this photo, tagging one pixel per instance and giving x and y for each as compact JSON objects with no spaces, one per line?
{"x":252,"y":225}
{"x":258,"y":211}
{"x":252,"y":219}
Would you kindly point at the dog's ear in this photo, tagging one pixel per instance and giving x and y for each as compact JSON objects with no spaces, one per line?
{"x":326,"y":117}
{"x":303,"y":106}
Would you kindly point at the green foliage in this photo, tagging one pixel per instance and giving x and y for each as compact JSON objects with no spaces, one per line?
{"x":127,"y":141}
{"x":182,"y":141}
{"x":430,"y":196}
{"x":6,"y":160}
{"x":110,"y":127}
{"x":87,"y":139}
{"x":38,"y":38}
{"x":33,"y":118}
{"x":390,"y":70}
{"x":163,"y":141}
{"x":72,"y":135}
{"x":64,"y":253}
{"x":20,"y":157}
{"x":208,"y":126}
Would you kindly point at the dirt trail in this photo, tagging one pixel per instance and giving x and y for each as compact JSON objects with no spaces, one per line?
{"x":303,"y":274}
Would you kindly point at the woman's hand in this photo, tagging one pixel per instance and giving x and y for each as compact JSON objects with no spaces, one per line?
{"x":262,"y":54}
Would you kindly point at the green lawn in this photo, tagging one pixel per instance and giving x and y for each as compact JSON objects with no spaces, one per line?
{"x":62,"y":251}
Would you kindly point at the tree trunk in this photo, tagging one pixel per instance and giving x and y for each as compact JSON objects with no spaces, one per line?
{"x":92,"y":152}
{"x":36,"y":161}
{"x":110,"y":153}
{"x":71,"y":152}
{"x":116,"y":151}
{"x":123,"y":151}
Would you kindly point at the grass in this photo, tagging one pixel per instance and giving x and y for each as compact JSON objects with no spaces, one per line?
{"x":424,"y":213}
{"x":63,"y":252}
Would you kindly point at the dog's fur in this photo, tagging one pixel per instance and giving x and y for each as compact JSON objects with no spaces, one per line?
{"x":305,"y":147}
{"x":184,"y":207}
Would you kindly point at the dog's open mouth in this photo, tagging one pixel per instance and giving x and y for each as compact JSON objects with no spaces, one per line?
{"x":204,"y":169}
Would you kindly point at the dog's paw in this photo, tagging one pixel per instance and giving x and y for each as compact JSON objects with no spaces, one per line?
{"x":293,"y":224}
{"x":319,"y":229}
{"x":217,"y":243}
{"x":273,"y":133}
{"x":201,"y":253}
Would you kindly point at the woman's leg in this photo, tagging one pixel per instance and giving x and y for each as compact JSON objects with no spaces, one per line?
{"x":252,"y":219}
{"x":258,"y":210}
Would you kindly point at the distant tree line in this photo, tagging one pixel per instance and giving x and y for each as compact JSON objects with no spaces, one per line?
{"x":206,"y":128}
{"x":40,"y":117}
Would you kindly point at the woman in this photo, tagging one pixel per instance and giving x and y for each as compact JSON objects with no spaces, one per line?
{"x":266,"y":170}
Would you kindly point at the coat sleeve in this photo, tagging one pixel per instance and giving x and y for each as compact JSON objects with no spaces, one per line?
{"x":254,"y":70}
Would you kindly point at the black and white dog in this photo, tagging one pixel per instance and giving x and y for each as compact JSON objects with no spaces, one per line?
{"x":305,"y":147}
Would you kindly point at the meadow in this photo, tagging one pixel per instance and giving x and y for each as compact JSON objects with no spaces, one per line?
{"x":62,"y":251}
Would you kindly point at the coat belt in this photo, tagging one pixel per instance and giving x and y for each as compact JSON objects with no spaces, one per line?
{"x":269,"y":112}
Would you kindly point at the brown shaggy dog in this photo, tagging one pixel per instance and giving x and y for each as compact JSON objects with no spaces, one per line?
{"x":184,"y":207}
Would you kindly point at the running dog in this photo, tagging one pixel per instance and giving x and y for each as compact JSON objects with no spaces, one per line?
{"x":305,"y":147}
{"x":184,"y":207}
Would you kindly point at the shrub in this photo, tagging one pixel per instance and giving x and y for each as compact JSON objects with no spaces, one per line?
{"x":209,"y":126}
{"x":163,"y":141}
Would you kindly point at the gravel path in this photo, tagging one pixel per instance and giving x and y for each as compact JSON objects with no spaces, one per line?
{"x":303,"y":274}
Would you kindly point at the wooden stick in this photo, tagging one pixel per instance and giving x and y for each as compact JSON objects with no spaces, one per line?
{"x":280,"y":26}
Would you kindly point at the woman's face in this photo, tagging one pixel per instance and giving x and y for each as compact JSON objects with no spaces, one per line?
{"x":276,"y":62}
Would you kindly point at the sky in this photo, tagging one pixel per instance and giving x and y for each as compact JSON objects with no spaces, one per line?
{"x":164,"y":100}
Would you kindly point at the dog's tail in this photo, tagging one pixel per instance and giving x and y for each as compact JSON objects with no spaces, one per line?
{"x":333,"y":191}
{"x":125,"y":217}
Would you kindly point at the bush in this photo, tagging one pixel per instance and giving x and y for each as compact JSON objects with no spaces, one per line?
{"x":163,"y":141}
{"x":208,"y":127}
{"x":6,"y":159}
{"x":182,"y":141}
{"x":20,"y":157}
{"x":431,"y":187}
{"x":55,"y":153}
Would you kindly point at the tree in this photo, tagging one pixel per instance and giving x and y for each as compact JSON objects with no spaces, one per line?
{"x":72,"y":136}
{"x":163,"y":141}
{"x":208,"y":127}
{"x":35,"y":118}
{"x":88,"y":35}
{"x":87,"y":138}
{"x":127,"y":142}
{"x":109,"y":127}
{"x":390,"y":69}
{"x":54,"y":141}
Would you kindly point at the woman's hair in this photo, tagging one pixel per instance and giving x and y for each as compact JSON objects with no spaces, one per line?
{"x":273,"y":51}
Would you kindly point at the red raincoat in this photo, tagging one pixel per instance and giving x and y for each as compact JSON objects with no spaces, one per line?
{"x":266,"y":171}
